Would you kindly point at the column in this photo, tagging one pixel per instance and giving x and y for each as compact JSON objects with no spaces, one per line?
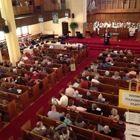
{"x":11,"y":37}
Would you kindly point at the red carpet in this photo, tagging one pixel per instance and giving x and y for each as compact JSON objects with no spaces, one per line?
{"x":97,"y":43}
{"x":96,"y":46}
{"x":14,"y":128}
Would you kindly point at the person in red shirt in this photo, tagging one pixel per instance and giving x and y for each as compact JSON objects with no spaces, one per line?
{"x":84,"y":84}
{"x":35,"y":75}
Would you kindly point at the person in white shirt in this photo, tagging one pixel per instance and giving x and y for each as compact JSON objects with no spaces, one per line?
{"x":63,"y":100}
{"x":69,"y":91}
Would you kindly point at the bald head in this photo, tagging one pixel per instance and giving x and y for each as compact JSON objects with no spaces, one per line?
{"x":53,"y":108}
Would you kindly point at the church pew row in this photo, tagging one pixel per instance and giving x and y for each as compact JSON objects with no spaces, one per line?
{"x":103,"y":87}
{"x":22,"y":100}
{"x":95,"y":94}
{"x":51,"y":74}
{"x":83,"y":134}
{"x":28,"y":135}
{"x":56,"y":67}
{"x":109,"y":98}
{"x":92,"y":119}
{"x":43,"y":77}
{"x":106,"y":107}
{"x":110,"y":81}
{"x":10,"y":110}
{"x":33,"y":91}
{"x":117,"y":66}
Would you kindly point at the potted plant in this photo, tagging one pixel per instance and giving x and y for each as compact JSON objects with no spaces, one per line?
{"x":73,"y":26}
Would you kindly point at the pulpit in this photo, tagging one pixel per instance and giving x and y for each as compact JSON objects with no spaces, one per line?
{"x":88,"y":34}
{"x":114,"y":36}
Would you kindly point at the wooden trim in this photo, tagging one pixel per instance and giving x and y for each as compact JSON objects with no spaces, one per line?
{"x":128,"y":4}
{"x":106,"y":11}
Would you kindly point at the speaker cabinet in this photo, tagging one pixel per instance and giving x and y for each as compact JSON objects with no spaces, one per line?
{"x":6,"y":29}
{"x":72,"y":15}
{"x":64,"y":28}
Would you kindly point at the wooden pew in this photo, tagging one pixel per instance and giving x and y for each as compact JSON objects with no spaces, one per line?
{"x":82,"y":133}
{"x":99,"y":136}
{"x":22,"y":99}
{"x":28,"y":135}
{"x":51,"y":74}
{"x":10,"y":109}
{"x":33,"y":91}
{"x":94,"y":94}
{"x":103,"y":87}
{"x":93,"y":119}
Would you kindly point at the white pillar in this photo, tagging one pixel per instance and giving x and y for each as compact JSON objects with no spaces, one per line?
{"x":11,"y":37}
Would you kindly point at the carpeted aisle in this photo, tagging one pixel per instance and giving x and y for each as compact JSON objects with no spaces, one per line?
{"x":14,"y":128}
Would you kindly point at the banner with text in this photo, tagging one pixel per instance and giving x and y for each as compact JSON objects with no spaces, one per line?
{"x":132,"y":117}
{"x":129,"y":99}
{"x":55,"y":17}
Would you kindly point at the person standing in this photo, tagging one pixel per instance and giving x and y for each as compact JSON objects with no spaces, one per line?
{"x":106,"y":36}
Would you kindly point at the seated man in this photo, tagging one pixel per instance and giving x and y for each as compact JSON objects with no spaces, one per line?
{"x":40,"y":129}
{"x":69,"y":91}
{"x":95,"y":109}
{"x":63,"y":100}
{"x":53,"y":114}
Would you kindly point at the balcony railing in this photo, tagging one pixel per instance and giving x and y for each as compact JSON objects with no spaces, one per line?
{"x":114,"y":4}
{"x":22,"y":10}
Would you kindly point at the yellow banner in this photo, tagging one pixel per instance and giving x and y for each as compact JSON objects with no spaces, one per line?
{"x":129,"y":99}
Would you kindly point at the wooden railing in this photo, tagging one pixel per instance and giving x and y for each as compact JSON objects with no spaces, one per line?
{"x":21,"y":10}
{"x":117,"y":4}
{"x":50,"y":7}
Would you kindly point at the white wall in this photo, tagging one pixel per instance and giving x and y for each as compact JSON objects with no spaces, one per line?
{"x":78,"y":7}
{"x":48,"y":27}
{"x":35,"y":29}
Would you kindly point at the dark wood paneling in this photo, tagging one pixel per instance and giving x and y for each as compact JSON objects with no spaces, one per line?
{"x":33,"y":19}
{"x":39,"y":2}
{"x":2,"y":24}
{"x":117,"y":17}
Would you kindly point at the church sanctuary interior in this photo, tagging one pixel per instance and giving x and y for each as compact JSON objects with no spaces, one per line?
{"x":69,"y":69}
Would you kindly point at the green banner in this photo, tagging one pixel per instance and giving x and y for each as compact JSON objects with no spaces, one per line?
{"x":55,"y":17}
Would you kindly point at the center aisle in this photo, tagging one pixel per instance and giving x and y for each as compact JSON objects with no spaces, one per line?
{"x":14,"y":128}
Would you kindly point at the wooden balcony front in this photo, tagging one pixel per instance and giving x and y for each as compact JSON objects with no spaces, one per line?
{"x":23,"y":10}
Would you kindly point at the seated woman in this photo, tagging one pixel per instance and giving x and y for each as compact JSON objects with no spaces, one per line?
{"x":116,"y":75}
{"x":76,"y":94}
{"x":107,"y":74}
{"x":104,"y":64}
{"x":71,"y":105}
{"x":129,"y":53}
{"x":106,"y":131}
{"x":81,"y":106}
{"x":100,"y":57}
{"x":88,"y":96}
{"x":114,"y":115}
{"x":79,"y":121}
{"x":84,"y":84}
{"x":65,"y":134}
{"x":109,"y":58}
{"x":67,"y":119}
{"x":100,"y":99}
